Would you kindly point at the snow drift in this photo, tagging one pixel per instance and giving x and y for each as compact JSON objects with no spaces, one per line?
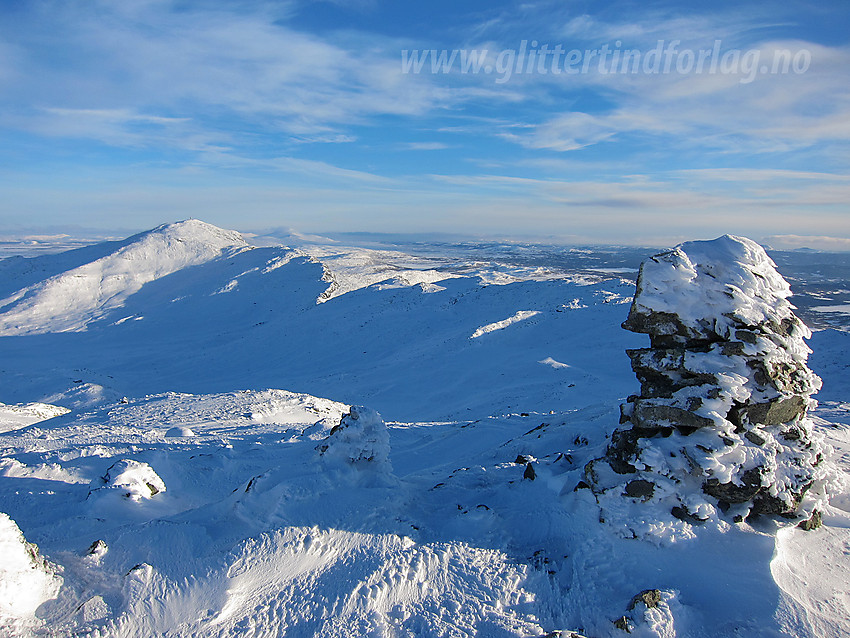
{"x":26,"y":579}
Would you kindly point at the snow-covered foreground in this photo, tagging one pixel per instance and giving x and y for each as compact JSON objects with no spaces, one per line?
{"x":179,"y":497}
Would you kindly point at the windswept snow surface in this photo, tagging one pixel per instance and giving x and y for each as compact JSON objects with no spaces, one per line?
{"x":452,"y":513}
{"x":18,"y":416}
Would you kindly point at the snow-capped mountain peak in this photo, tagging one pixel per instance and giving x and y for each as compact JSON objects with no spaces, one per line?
{"x":72,"y":299}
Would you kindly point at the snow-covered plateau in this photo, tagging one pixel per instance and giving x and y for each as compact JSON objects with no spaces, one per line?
{"x":204,"y":437}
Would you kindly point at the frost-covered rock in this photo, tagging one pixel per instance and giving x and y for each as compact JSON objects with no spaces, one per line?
{"x":133,"y":480}
{"x":96,"y":551}
{"x":651,"y":615}
{"x":26,"y":579}
{"x":360,"y":441}
{"x":720,"y":424}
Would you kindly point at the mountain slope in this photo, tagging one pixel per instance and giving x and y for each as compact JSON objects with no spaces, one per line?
{"x":251,"y":319}
{"x":70,"y":300}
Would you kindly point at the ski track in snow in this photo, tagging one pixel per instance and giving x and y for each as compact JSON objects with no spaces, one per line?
{"x":255,"y":534}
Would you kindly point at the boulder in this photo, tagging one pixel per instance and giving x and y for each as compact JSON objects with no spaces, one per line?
{"x":640,"y":488}
{"x":360,"y":442}
{"x":133,"y":480}
{"x":649,"y":597}
{"x":813,"y":522}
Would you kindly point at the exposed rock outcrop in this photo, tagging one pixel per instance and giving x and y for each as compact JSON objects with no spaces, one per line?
{"x":720,"y":422}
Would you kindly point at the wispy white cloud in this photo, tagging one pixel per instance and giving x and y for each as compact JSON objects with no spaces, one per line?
{"x":319,"y":171}
{"x":123,"y":127}
{"x":718,"y":112}
{"x":760,"y":175}
{"x":258,"y":113}
{"x":158,"y":61}
{"x":690,"y":204}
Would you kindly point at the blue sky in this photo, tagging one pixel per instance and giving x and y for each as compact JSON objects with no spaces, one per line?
{"x":248,"y":114}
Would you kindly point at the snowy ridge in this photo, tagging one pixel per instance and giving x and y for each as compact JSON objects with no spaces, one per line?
{"x":350,"y":269}
{"x":71,"y":300}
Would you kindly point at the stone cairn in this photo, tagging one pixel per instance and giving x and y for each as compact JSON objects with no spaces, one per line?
{"x":719,"y":429}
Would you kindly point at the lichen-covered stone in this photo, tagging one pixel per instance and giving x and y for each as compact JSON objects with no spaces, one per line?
{"x":651,"y":414}
{"x":775,"y":412}
{"x":649,"y":597}
{"x":813,"y":522}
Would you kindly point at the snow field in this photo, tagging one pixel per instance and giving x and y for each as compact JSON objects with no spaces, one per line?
{"x":458,"y":512}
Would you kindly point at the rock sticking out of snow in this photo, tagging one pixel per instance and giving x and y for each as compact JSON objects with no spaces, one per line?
{"x":134,"y":480}
{"x":96,"y":551}
{"x":360,"y":441}
{"x":720,"y":424}
{"x":26,"y":579}
{"x":650,"y":615}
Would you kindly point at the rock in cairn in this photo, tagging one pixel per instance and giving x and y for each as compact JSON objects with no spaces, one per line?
{"x":720,"y":422}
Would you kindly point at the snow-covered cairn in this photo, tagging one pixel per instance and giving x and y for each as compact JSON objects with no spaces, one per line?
{"x":719,"y":429}
{"x":359,"y":442}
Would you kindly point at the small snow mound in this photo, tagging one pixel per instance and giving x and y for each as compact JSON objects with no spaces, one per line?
{"x":95,"y":608}
{"x":84,"y":395}
{"x":133,"y":479}
{"x":179,"y":432}
{"x":96,"y":551}
{"x":361,"y":440}
{"x":26,"y":579}
{"x":651,"y":614}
